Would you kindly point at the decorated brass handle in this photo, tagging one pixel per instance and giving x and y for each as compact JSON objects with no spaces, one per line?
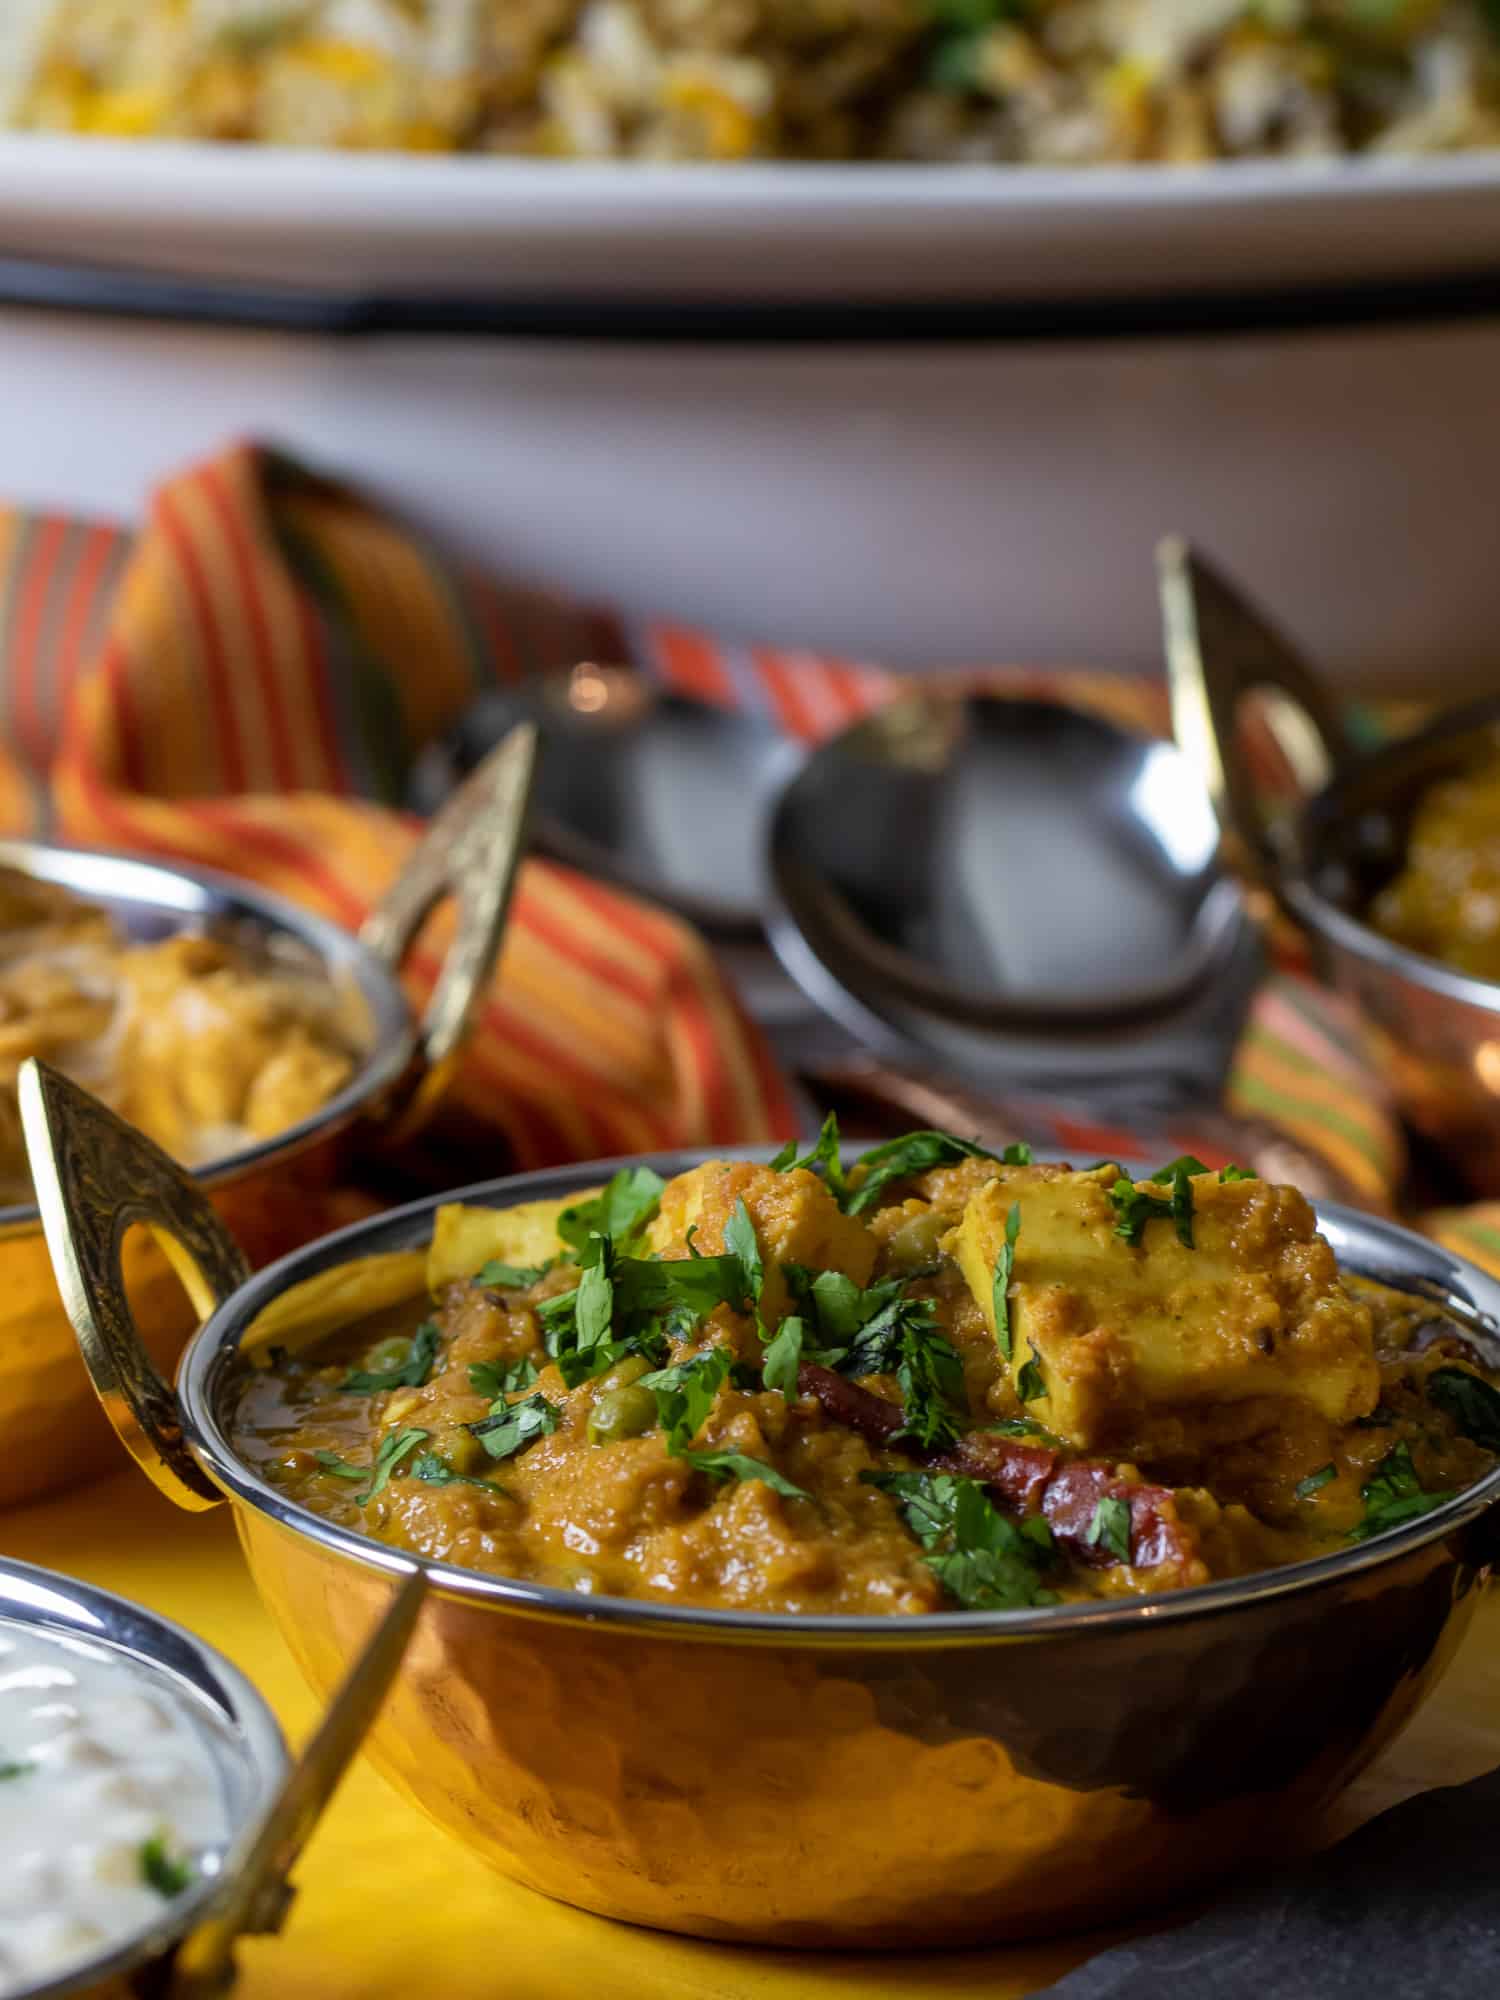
{"x":256,"y":1893}
{"x":1219,"y":649}
{"x":471,"y":851}
{"x":95,"y":1176}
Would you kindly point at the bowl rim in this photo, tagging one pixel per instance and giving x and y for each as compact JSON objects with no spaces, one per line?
{"x":46,"y":1600}
{"x":122,"y":880}
{"x":203,"y":1376}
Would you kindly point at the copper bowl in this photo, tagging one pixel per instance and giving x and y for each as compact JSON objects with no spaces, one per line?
{"x":50,"y":1433}
{"x":1431,"y":1033}
{"x":852,"y":1782}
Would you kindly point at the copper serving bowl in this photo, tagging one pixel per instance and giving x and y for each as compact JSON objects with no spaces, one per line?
{"x":271,"y":1806}
{"x":50,"y":1433}
{"x":1432,"y":1033}
{"x":802,"y":1781}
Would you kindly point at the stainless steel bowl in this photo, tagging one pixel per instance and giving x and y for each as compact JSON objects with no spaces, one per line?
{"x":1431,"y":1033}
{"x":832,"y":1781}
{"x":50,"y":1434}
{"x":229,"y":1717}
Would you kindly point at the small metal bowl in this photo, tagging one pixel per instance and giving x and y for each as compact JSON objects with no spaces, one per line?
{"x":851,"y":1782}
{"x":50,"y":1434}
{"x":1432,"y":1033}
{"x":230,"y":1718}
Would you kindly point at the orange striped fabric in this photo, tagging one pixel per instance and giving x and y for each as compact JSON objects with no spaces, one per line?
{"x":246,"y":684}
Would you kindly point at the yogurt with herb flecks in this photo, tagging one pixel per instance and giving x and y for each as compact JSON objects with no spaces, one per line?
{"x":110,"y":1804}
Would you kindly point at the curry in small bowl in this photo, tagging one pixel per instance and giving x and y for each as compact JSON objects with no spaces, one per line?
{"x":935,"y":1379}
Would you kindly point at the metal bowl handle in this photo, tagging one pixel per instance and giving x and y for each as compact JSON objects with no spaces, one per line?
{"x":471,"y":851}
{"x":1219,"y":649}
{"x":95,"y":1176}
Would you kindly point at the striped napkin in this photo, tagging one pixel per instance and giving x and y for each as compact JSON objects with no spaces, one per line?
{"x":245,"y":685}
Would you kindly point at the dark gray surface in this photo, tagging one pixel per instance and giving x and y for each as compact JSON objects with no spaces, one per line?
{"x":1408,"y":1906}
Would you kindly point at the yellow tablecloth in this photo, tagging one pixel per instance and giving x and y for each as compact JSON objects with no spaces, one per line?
{"x":389,"y":1905}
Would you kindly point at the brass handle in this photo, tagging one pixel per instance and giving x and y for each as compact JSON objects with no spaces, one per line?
{"x":256,"y":1894}
{"x":471,"y":851}
{"x":95,"y":1176}
{"x":1219,"y":649}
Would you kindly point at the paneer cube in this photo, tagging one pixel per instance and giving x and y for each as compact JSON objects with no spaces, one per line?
{"x":1118,"y":1332}
{"x":797,"y":1221}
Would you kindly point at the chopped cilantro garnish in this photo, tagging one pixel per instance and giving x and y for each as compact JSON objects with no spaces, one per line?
{"x":400,"y":1445}
{"x":1393,"y":1495}
{"x":582,"y":1364}
{"x":904,"y":1339}
{"x":824,"y":1155}
{"x":1110,"y":1527}
{"x":1134,"y":1207}
{"x":1031,"y":1383}
{"x":1469,"y":1403}
{"x":1234,"y":1173}
{"x":899,"y":1159}
{"x":506,"y":1431}
{"x":784,"y":1358}
{"x":1022,"y":1427}
{"x":501,"y":1277}
{"x":740,"y":1241}
{"x":1187,"y":1163}
{"x":15,"y":1767}
{"x":621,"y":1212}
{"x":435,"y":1471}
{"x":340,"y":1468}
{"x":166,"y":1873}
{"x":685,"y":1393}
{"x":1016,"y":1154}
{"x":594,"y":1307}
{"x":735,"y":1465}
{"x":1004,"y":1264}
{"x":410,"y":1372}
{"x":985,"y":1561}
{"x":501,"y":1378}
{"x":1315,"y":1481}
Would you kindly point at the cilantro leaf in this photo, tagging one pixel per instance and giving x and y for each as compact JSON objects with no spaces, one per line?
{"x":740,"y":1241}
{"x":582,"y":1364}
{"x":839,"y":1306}
{"x":15,"y":1767}
{"x":1234,"y":1173}
{"x":1392,"y":1494}
{"x":825,"y":1155}
{"x":1110,"y":1527}
{"x":340,"y":1468}
{"x":933,"y":1396}
{"x":497,"y":1379}
{"x":1469,"y":1403}
{"x":409,"y":1373}
{"x":594,"y":1307}
{"x":1134,"y":1207}
{"x":1004,"y":1264}
{"x":162,"y":1871}
{"x":899,"y":1159}
{"x":501,"y":1277}
{"x":621,"y":1212}
{"x":1184,"y":1163}
{"x":735,"y":1465}
{"x":1023,"y":1427}
{"x":983,"y":1560}
{"x":392,"y":1450}
{"x":1016,"y":1154}
{"x":1031,"y":1383}
{"x":1315,"y":1481}
{"x":506,"y":1431}
{"x":784,"y":1358}
{"x":685,"y":1393}
{"x":435,"y":1471}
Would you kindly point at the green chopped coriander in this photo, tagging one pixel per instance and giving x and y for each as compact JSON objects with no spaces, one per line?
{"x":340,"y":1468}
{"x":435,"y":1471}
{"x":1393,"y":1495}
{"x":1110,"y":1527}
{"x":1234,"y":1173}
{"x":735,"y":1465}
{"x":983,"y":1560}
{"x":1017,"y":1154}
{"x":740,"y":1241}
{"x":1004,"y":1264}
{"x":685,"y":1393}
{"x":1315,"y":1481}
{"x":501,"y":1378}
{"x":899,"y":1159}
{"x":1469,"y":1403}
{"x":621,"y":1212}
{"x":409,"y":1371}
{"x":400,"y":1445}
{"x":14,"y":1767}
{"x":1031,"y":1384}
{"x":825,"y":1156}
{"x":509,"y":1429}
{"x":499,"y":1276}
{"x":784,"y":1357}
{"x":1185,"y":1163}
{"x":163,"y":1871}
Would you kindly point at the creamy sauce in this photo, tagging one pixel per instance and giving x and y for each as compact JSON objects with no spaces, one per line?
{"x":99,"y":1773}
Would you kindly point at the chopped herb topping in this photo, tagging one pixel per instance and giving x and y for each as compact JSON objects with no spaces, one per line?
{"x":836,"y":1305}
{"x":594,"y":1305}
{"x":409,"y":1371}
{"x":340,"y":1468}
{"x":166,"y":1873}
{"x":496,"y":1379}
{"x":400,"y":1445}
{"x":904,"y":1339}
{"x":14,"y":1767}
{"x":784,"y":1357}
{"x":621,"y":1212}
{"x":1004,"y":1263}
{"x":1134,"y":1207}
{"x":1315,"y":1481}
{"x":435,"y":1471}
{"x":1110,"y":1527}
{"x":1188,"y":1163}
{"x":1016,"y":1154}
{"x":1031,"y":1384}
{"x":497,"y":1276}
{"x":735,"y":1465}
{"x":582,"y":1364}
{"x":899,"y":1159}
{"x":825,"y":1156}
{"x":983,"y":1560}
{"x":508,"y":1430}
{"x":1392,"y":1495}
{"x":1234,"y":1173}
{"x":685,"y":1393}
{"x":1469,"y":1403}
{"x":1023,"y":1427}
{"x":740,"y":1241}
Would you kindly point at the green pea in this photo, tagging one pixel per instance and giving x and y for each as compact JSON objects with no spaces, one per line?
{"x":621,"y":1413}
{"x":387,"y":1354}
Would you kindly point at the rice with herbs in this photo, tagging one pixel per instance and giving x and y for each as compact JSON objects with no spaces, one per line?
{"x":1043,"y":81}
